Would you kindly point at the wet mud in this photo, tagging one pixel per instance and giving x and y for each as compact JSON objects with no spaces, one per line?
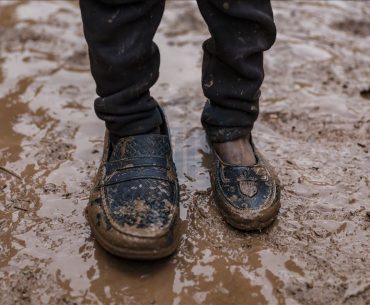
{"x":314,"y":127}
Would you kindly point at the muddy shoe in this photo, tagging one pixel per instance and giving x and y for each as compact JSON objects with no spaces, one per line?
{"x":134,"y":206}
{"x":247,"y":196}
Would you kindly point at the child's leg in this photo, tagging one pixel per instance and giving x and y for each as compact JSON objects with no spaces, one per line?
{"x":133,"y":209}
{"x":233,"y":64}
{"x":124,"y":62}
{"x":245,"y":188}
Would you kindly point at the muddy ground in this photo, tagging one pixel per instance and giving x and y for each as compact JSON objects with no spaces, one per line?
{"x":314,"y":127}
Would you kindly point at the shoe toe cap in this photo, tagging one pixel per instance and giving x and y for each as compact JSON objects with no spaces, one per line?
{"x":247,"y":204}
{"x":131,"y":234}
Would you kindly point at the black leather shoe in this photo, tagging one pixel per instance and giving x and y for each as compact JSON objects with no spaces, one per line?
{"x":133,"y":209}
{"x":247,"y":196}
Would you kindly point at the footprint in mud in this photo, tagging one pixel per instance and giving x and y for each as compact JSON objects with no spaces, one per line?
{"x":354,"y":27}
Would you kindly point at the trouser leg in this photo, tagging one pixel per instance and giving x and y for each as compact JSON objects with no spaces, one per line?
{"x":124,"y":61}
{"x":233,"y":64}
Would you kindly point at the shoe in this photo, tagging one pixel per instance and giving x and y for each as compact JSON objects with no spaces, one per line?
{"x":248,"y":197}
{"x":133,"y":208}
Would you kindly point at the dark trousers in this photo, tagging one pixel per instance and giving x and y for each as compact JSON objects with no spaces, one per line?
{"x":125,"y":63}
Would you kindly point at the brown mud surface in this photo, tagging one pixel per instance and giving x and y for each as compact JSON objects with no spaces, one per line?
{"x":314,"y":127}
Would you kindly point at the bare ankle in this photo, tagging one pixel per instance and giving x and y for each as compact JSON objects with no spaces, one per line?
{"x":237,"y":152}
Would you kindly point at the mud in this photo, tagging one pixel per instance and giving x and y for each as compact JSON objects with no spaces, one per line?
{"x":314,"y":127}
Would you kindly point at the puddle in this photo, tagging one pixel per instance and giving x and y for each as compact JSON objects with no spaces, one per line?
{"x":314,"y":127}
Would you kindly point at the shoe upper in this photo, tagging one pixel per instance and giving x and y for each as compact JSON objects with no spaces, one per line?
{"x":136,"y":190}
{"x":133,"y":210}
{"x":245,"y":187}
{"x":140,"y":183}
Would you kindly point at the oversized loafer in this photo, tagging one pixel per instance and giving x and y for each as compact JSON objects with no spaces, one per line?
{"x":248,"y":197}
{"x":133,"y":209}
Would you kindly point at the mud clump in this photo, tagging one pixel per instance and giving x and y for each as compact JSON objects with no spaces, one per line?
{"x":355,"y":27}
{"x":365,"y":93}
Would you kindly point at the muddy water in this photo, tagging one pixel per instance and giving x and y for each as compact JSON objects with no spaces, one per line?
{"x":314,"y":127}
